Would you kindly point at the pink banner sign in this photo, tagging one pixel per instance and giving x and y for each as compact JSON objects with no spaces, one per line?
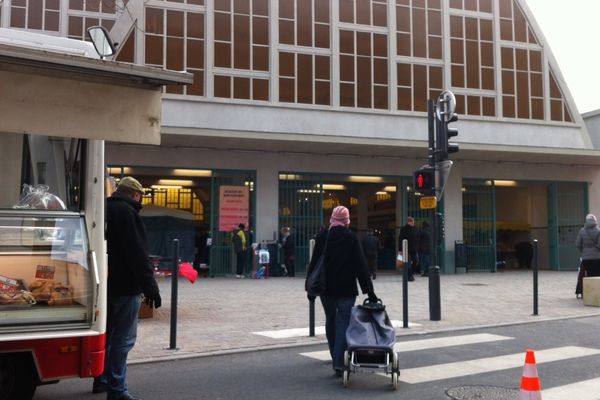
{"x":233,"y":207}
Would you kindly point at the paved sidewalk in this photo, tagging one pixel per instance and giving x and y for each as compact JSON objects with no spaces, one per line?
{"x":219,"y":315}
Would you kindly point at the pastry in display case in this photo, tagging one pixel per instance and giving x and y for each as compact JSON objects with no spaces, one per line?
{"x":46,"y":270}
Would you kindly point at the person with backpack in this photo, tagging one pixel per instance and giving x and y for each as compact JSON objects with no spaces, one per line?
{"x":588,"y":243}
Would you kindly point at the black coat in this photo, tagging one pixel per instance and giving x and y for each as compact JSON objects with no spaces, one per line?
{"x":425,"y":240}
{"x":345,"y":263}
{"x":411,"y":234}
{"x":129,"y":271}
{"x":288,"y":245}
{"x":370,"y":246}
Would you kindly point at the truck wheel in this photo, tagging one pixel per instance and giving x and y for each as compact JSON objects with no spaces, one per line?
{"x":18,"y":379}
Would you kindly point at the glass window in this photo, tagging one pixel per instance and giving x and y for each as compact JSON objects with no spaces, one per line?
{"x":175,"y":40}
{"x":45,"y":275}
{"x":51,"y":168}
{"x":364,"y":68}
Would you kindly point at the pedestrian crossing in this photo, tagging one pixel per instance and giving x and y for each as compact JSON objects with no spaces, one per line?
{"x":426,"y":344}
{"x":319,"y":330}
{"x":490,"y":364}
{"x":584,"y":390}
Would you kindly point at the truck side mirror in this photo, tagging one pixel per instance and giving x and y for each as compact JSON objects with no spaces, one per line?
{"x":102,"y":42}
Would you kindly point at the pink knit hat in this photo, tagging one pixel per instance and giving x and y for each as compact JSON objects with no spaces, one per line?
{"x":339,"y":217}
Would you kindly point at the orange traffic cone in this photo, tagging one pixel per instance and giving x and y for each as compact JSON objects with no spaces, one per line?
{"x":530,"y":382}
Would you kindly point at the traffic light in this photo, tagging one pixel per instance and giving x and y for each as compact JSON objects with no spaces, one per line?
{"x":450,"y":147}
{"x":424,"y":181}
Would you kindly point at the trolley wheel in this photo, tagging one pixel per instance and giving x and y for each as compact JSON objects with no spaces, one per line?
{"x":345,"y":378}
{"x":396,"y":363}
{"x":346,"y":359}
{"x":395,"y":380}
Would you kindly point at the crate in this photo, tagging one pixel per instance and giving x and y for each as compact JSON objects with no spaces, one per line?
{"x":591,"y":291}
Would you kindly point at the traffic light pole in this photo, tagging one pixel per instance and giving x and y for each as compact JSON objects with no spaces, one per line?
{"x":433,"y":273}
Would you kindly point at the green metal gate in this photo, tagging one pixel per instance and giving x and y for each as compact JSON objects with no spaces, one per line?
{"x":221,"y":252}
{"x":479,"y":225}
{"x":301,"y":209}
{"x":411,"y":207}
{"x":567,"y":207}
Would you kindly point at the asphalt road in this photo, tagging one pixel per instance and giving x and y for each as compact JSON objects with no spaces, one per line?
{"x":287,"y":374}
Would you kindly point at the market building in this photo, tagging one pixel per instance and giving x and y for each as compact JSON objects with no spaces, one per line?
{"x":300,"y":105}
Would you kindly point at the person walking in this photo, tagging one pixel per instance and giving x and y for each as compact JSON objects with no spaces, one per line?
{"x":345,"y":263}
{"x":425,"y":248}
{"x":240,"y":247}
{"x":289,"y":251}
{"x":410,"y":233}
{"x":129,"y":275}
{"x":588,"y":243}
{"x":371,"y":246}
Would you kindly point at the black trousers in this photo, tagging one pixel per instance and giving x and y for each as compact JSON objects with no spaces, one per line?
{"x":241,"y":262}
{"x":290,"y":265}
{"x":591,"y":267}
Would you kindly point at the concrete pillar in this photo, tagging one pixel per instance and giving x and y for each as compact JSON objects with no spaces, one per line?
{"x":362,"y":219}
{"x":267,"y":203}
{"x":453,"y":216}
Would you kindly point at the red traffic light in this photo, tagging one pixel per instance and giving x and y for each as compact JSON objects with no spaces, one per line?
{"x":424,"y":181}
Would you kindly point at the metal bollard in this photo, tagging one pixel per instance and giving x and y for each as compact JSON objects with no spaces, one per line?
{"x":435,"y":313}
{"x":405,"y":284}
{"x":174,"y":287}
{"x":311,"y":318}
{"x":535,"y":277}
{"x":311,"y":304}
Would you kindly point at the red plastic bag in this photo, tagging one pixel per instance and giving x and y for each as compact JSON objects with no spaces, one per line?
{"x":188,"y":271}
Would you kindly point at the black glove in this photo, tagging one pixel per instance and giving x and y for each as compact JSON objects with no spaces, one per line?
{"x":153,"y":299}
{"x":372,"y":297}
{"x":310,"y":298}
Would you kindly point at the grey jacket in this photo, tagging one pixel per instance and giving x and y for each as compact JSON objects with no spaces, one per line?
{"x":588,"y":241}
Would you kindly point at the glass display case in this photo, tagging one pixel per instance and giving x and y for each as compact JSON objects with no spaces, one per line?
{"x":48,"y":275}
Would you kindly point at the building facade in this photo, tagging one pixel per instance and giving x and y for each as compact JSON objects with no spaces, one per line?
{"x":306,"y":104}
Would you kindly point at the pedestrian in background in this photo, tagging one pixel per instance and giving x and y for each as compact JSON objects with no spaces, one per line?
{"x":289,"y":251}
{"x":345,"y":263}
{"x":425,"y":248}
{"x":371,"y":246}
{"x":240,"y":246}
{"x":411,"y":234}
{"x":588,"y":243}
{"x":129,"y":275}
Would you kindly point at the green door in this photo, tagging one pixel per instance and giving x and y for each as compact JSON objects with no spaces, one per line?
{"x":222,"y":260}
{"x":567,"y":207}
{"x":301,"y":209}
{"x":479,"y":225}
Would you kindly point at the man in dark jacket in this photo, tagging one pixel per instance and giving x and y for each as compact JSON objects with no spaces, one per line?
{"x":129,"y":275}
{"x":425,"y":248}
{"x":345,"y":264}
{"x":371,"y":246}
{"x":410,"y":233}
{"x":289,"y":251}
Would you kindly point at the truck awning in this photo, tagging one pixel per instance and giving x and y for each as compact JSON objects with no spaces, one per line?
{"x":66,"y":95}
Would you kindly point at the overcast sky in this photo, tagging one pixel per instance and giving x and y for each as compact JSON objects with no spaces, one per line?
{"x":572,"y":29}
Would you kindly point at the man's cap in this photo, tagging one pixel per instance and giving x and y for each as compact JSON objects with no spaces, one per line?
{"x":132,"y":184}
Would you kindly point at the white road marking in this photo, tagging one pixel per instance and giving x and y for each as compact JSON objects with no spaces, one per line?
{"x":425,"y":344}
{"x":319,"y":330}
{"x":584,"y":390}
{"x":482,"y":365}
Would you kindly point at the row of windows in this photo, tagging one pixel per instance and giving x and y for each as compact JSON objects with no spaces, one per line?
{"x":174,"y":38}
